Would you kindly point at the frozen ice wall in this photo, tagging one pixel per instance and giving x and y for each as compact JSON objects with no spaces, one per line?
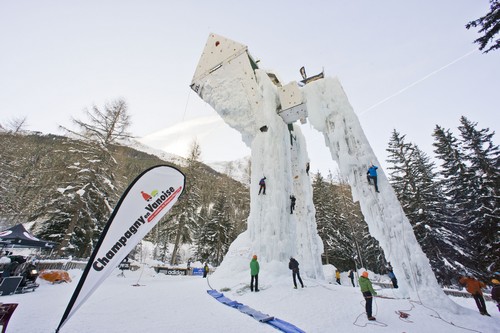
{"x":280,"y":155}
{"x":331,"y":113}
{"x":247,"y":100}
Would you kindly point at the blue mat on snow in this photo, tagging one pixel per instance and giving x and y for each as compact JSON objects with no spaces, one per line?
{"x":262,"y":317}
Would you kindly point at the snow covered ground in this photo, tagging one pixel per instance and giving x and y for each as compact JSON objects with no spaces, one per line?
{"x":181,"y":304}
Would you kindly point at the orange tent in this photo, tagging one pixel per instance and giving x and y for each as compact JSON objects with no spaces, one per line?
{"x":55,"y":275}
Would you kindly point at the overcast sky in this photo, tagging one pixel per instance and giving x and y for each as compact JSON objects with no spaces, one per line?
{"x":405,"y":65}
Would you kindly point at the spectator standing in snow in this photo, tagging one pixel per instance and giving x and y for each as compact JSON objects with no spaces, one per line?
{"x":205,"y":270}
{"x":4,"y":259}
{"x":337,"y":276}
{"x":10,"y":269}
{"x":292,"y":203}
{"x":254,"y":272}
{"x":474,"y":287}
{"x":392,"y":276}
{"x":368,"y":293}
{"x":294,"y":266}
{"x":495,"y":292}
{"x":262,"y":184}
{"x":371,"y":174}
{"x":307,"y":168}
{"x":351,"y":276}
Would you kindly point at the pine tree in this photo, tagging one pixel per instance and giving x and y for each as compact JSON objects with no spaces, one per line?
{"x":79,"y":204}
{"x":453,"y":169}
{"x":358,"y":247}
{"x":484,"y":188}
{"x":401,"y":172}
{"x":182,"y":221}
{"x":423,"y":202}
{"x":347,"y":242}
{"x":324,"y":214}
{"x":453,"y":178}
{"x":490,"y":26}
{"x":238,"y":199}
{"x":344,"y":238}
{"x":219,"y":229}
{"x":216,"y":232}
{"x":203,"y":242}
{"x":79,"y":208}
{"x":161,"y":241}
{"x":434,"y":227}
{"x":349,"y":225}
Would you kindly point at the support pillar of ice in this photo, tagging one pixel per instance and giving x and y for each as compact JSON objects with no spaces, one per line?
{"x":331,"y":114}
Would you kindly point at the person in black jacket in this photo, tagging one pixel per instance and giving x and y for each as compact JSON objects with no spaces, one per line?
{"x":495,"y":292}
{"x":292,"y":203}
{"x":10,"y":269}
{"x":262,"y":186}
{"x":294,"y":266}
{"x":351,"y":276}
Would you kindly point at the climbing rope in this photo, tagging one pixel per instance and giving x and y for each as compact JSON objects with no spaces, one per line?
{"x":414,"y":280}
{"x":375,"y":322}
{"x":187,"y":102}
{"x":438,"y":316}
{"x":208,"y":282}
{"x":403,"y":314}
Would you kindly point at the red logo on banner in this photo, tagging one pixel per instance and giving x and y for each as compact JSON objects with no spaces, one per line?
{"x":147,"y":196}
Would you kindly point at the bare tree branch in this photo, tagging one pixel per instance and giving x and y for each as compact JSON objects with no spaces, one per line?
{"x":16,"y":125}
{"x":107,"y":126}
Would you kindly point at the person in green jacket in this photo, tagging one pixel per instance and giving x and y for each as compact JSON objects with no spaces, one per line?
{"x":368,"y":293}
{"x":254,"y":272}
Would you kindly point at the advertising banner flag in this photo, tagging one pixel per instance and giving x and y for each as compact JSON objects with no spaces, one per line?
{"x":147,"y":199}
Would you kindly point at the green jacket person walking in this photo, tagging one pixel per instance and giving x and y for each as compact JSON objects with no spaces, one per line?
{"x":254,"y":272}
{"x":368,"y":293}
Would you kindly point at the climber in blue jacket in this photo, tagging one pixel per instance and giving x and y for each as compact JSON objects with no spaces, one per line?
{"x":372,"y":174}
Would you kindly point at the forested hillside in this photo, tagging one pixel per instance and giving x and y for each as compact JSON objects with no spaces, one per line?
{"x":452,"y":201}
{"x":69,"y":187}
{"x":341,"y":226}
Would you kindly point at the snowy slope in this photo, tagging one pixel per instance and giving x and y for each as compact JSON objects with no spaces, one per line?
{"x":178,"y":160}
{"x":237,"y":169}
{"x":180,"y":304}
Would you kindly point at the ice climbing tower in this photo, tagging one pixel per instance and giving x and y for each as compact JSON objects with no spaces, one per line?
{"x":250,"y":99}
{"x":255,"y":103}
